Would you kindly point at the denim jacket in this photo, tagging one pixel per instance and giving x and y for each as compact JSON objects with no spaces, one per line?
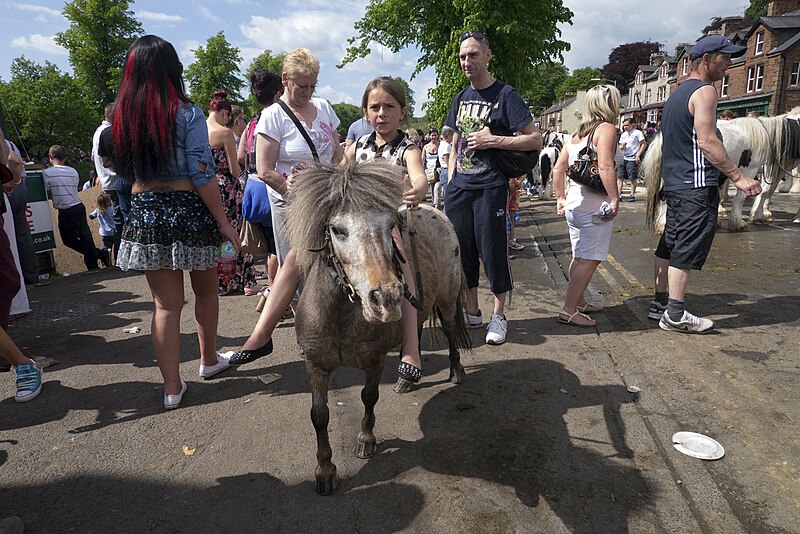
{"x":191,"y":149}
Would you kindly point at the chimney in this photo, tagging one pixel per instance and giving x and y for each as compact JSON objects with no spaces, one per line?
{"x":776,"y":8}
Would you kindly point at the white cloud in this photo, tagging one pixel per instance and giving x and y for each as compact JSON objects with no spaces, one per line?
{"x":314,"y":30}
{"x":334,"y":96}
{"x":186,"y":52}
{"x":43,"y":43}
{"x":159,"y":17}
{"x":210,"y":16}
{"x":37,"y":9}
{"x":666,"y":23}
{"x":380,"y":61}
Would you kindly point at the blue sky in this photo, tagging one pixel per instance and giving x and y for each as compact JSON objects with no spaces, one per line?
{"x":324,"y":26}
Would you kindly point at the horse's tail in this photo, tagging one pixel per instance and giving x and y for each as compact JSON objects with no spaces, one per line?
{"x":461,"y":335}
{"x":650,"y":171}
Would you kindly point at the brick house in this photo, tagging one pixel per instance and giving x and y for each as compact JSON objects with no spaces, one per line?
{"x":563,"y":116}
{"x":766,"y":79}
{"x":649,"y":89}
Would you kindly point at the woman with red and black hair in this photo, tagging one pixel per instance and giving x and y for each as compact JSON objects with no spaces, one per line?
{"x":223,"y":148}
{"x":160,"y":143}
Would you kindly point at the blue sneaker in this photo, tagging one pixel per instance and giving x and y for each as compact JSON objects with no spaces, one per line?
{"x":29,"y":381}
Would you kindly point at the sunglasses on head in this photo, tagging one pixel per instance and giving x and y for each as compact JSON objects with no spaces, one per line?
{"x":478,"y":36}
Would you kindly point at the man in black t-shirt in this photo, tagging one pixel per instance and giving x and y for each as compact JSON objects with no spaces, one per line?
{"x":477,"y":192}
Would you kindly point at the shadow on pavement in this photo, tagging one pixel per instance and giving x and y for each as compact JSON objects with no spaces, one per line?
{"x":506,"y":425}
{"x":254,"y":502}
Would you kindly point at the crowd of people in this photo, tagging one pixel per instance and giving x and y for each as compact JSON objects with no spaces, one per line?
{"x":181,"y":189}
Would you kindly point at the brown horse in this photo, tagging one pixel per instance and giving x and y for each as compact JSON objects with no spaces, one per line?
{"x":340,"y":224}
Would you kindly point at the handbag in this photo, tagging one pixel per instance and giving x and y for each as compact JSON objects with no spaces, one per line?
{"x":585,"y":170}
{"x":514,"y":163}
{"x":252,"y":239}
{"x":255,"y":201}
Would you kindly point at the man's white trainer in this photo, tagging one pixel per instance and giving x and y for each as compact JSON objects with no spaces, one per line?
{"x":496,"y":331}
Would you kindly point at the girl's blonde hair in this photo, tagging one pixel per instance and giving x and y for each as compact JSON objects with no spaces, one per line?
{"x":601,"y":104}
{"x":300,"y":61}
{"x":413,"y":135}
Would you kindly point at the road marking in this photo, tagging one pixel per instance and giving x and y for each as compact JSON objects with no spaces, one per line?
{"x":624,"y":272}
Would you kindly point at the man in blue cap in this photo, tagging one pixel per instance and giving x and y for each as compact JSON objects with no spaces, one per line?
{"x":693,"y":157}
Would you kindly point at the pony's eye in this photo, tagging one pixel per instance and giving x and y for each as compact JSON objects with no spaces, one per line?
{"x":338,"y":232}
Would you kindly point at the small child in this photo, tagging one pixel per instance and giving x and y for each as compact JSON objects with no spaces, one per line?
{"x":105,"y":216}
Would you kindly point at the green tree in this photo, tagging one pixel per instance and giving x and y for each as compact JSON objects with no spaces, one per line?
{"x":347,"y":113}
{"x":410,"y":103}
{"x":546,"y":79}
{"x":580,"y":79}
{"x":521,"y":33}
{"x":756,"y":9}
{"x":216,"y":67}
{"x":624,"y":61}
{"x":265,"y":60}
{"x":46,"y":106}
{"x":99,"y":34}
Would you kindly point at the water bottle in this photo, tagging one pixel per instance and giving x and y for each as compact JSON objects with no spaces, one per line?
{"x":226,"y":267}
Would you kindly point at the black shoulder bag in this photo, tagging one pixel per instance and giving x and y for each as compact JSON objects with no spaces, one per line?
{"x":512,"y":163}
{"x":585,"y":170}
{"x":302,"y":130}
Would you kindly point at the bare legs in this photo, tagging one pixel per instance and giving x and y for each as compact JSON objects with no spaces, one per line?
{"x":167,"y":289}
{"x":472,"y":302}
{"x":580,"y":274}
{"x":409,"y":327}
{"x":10,"y":351}
{"x":280,"y":296}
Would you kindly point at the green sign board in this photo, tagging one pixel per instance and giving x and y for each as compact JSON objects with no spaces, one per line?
{"x":38,"y":214}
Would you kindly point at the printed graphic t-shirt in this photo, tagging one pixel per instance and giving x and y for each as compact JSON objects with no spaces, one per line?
{"x":500,"y":107}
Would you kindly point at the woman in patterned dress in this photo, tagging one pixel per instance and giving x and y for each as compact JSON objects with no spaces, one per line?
{"x":223,"y":148}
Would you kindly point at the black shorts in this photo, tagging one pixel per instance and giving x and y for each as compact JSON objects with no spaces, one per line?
{"x":691,"y":225}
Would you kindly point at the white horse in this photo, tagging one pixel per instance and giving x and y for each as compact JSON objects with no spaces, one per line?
{"x":751,"y":143}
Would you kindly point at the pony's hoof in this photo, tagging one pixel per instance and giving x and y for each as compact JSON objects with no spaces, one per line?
{"x":366,"y":449}
{"x":403,"y":386}
{"x":326,"y":485}
{"x":458,"y":376}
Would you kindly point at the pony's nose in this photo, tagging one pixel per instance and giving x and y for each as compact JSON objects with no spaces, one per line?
{"x":384,"y":297}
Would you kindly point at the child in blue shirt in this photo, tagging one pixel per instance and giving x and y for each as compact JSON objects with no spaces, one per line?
{"x":105,"y":216}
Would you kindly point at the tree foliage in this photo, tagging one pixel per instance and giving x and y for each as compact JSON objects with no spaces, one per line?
{"x":756,"y":9}
{"x":46,"y":106}
{"x":410,"y":103}
{"x":100,"y":33}
{"x":265,"y":60}
{"x":521,"y":34}
{"x":347,"y":113}
{"x":624,"y":60}
{"x":547,"y":77}
{"x":216,"y":67}
{"x":580,"y":80}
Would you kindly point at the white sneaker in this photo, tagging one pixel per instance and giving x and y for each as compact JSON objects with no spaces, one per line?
{"x":473,"y":321}
{"x":496,"y":331}
{"x":690,"y":324}
{"x":223,"y":362}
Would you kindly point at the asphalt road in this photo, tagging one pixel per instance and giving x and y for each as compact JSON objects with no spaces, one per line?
{"x":543,"y":436}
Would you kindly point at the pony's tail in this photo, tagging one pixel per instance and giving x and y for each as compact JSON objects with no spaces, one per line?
{"x":650,"y":171}
{"x":461,"y":335}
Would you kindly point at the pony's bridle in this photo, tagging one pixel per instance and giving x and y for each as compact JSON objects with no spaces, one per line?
{"x":336,"y":270}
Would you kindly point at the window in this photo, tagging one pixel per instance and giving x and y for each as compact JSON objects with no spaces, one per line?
{"x":664,"y":71}
{"x":639,"y":77}
{"x":751,"y":79}
{"x":685,"y":67}
{"x":760,"y":77}
{"x":759,"y":43}
{"x":795,"y":78}
{"x":723,"y":90}
{"x":648,"y":96}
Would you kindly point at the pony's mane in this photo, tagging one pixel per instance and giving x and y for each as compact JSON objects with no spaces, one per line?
{"x":320,"y":193}
{"x":762,"y":133}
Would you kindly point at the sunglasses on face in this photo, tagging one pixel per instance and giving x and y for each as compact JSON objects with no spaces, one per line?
{"x":478,"y":36}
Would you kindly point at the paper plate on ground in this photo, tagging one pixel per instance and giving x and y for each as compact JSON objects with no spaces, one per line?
{"x":697,"y":446}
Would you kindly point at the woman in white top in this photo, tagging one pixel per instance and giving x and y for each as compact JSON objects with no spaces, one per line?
{"x":589,"y":230}
{"x":281,"y":149}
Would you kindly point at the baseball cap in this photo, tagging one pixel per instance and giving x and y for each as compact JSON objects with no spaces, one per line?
{"x":715,"y":43}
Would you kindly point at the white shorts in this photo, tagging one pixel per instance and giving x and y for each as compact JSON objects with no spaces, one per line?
{"x":590,"y":240}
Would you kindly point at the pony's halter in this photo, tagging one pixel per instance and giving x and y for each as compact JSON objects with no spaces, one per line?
{"x":336,"y":270}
